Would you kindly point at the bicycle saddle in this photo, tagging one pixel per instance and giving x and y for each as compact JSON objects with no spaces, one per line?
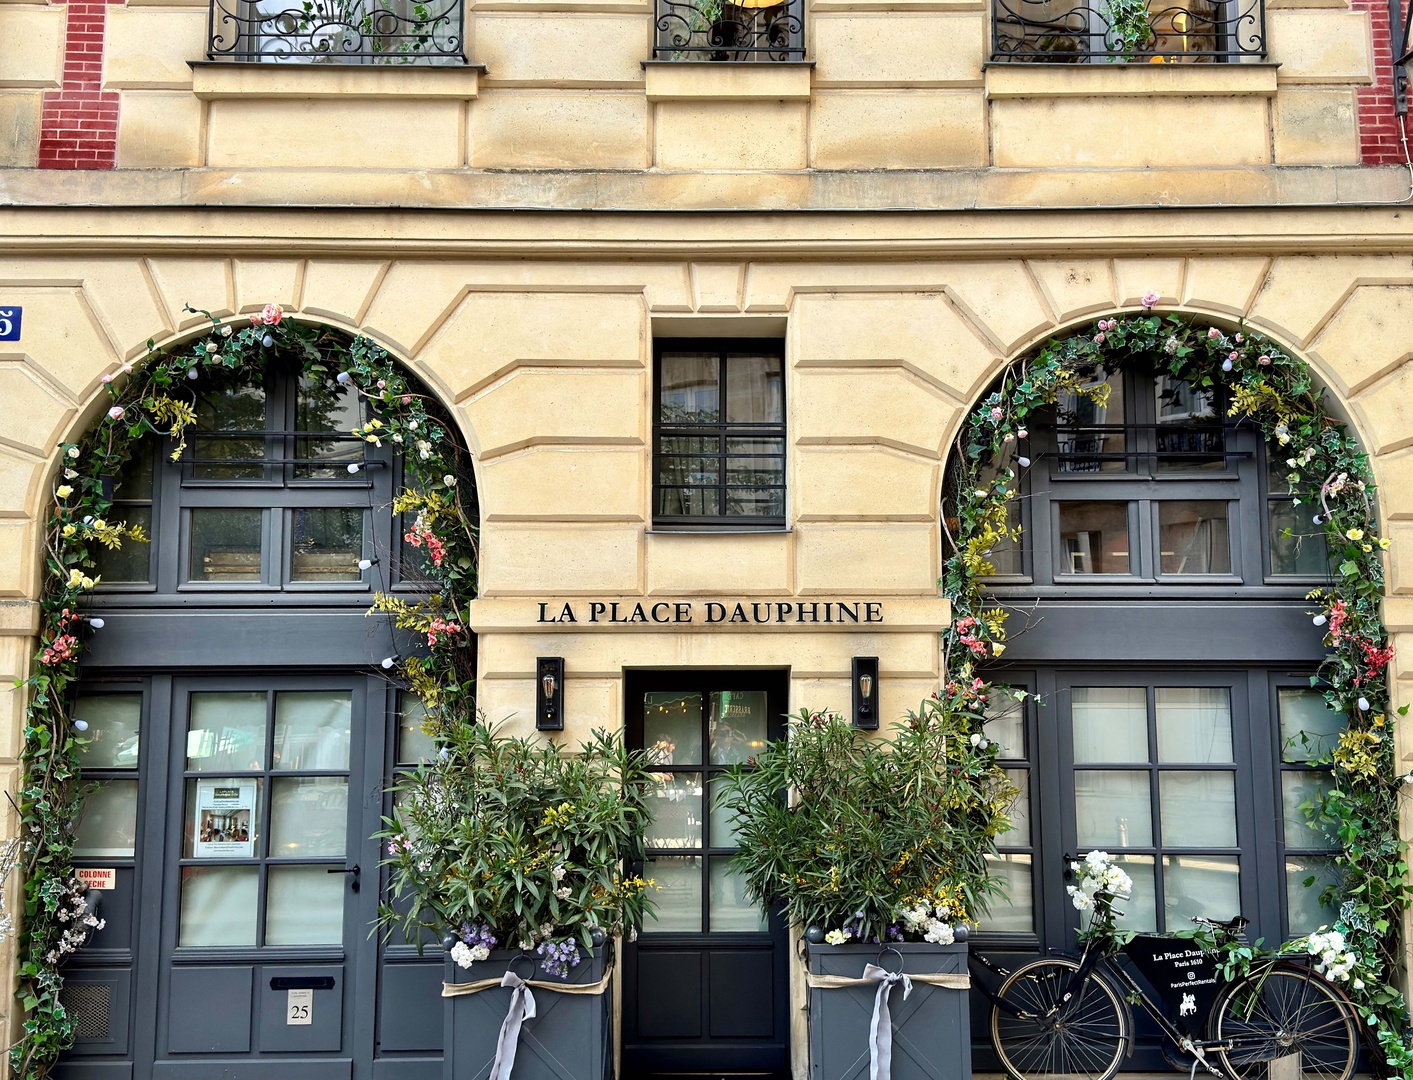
{"x":1234,"y":925}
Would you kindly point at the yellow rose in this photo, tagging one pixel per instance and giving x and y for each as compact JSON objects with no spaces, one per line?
{"x":1385,"y":543}
{"x":64,"y":491}
{"x":997,"y":649}
{"x":68,"y":530}
{"x":75,"y":578}
{"x":1355,"y":534}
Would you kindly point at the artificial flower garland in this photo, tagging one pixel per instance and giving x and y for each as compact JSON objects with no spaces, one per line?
{"x":1332,"y":479}
{"x":156,"y":398}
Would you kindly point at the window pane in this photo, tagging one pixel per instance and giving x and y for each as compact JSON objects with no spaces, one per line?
{"x":1193,"y":537}
{"x":1298,"y":787}
{"x":135,"y":480}
{"x":327,"y":545}
{"x":133,"y":561}
{"x":753,"y":471}
{"x":1304,"y":912}
{"x":325,"y":406}
{"x":1198,"y":808}
{"x":227,"y":732}
{"x":219,"y":905}
{"x":690,"y":390}
{"x":1304,"y":550}
{"x":731,"y":910}
{"x":1183,"y":414}
{"x":1206,"y":885}
{"x":689,"y":502}
{"x":1112,"y":809}
{"x":222,"y":819}
{"x":723,"y":821}
{"x":1140,"y":910}
{"x":1194,"y":724}
{"x":754,"y":389}
{"x":1079,"y":444}
{"x":107,"y":821}
{"x":231,"y":457}
{"x":675,"y":803}
{"x":738,"y":719}
{"x":1110,"y":723}
{"x":1005,"y":722}
{"x":312,"y":729}
{"x":225,"y":545}
{"x":1094,"y":538}
{"x":1019,"y":832}
{"x":1309,"y":727}
{"x":755,"y":502}
{"x":304,"y":906}
{"x":679,"y":896}
{"x":672,"y":726}
{"x":1013,"y":911}
{"x":113,"y":722}
{"x":413,"y":743}
{"x":308,"y":816}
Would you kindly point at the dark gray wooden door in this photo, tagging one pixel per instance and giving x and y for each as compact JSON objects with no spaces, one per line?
{"x":705,"y":987}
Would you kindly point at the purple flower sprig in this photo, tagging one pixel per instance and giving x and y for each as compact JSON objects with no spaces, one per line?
{"x":477,"y":935}
{"x":559,"y":958}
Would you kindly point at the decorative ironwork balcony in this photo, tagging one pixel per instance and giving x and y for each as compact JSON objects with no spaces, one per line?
{"x":719,"y":30}
{"x":338,"y":31}
{"x":1187,"y":31}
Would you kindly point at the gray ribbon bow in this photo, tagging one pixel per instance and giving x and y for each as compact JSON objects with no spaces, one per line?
{"x":522,"y":1008}
{"x":880,"y":1029}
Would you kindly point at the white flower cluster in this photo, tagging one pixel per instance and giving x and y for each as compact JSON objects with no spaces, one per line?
{"x":464,"y":955}
{"x":1335,"y":961}
{"x":837,"y":937}
{"x":928,"y":921}
{"x":79,"y":921}
{"x":1098,"y":876}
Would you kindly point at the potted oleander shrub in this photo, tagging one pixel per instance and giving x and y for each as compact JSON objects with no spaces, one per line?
{"x":517,"y":856}
{"x":878,"y":856}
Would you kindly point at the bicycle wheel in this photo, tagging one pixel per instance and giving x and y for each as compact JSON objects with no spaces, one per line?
{"x":1084,"y":1037}
{"x":1286,"y":1010}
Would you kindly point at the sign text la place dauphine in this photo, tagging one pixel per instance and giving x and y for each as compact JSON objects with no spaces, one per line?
{"x":681,"y":612}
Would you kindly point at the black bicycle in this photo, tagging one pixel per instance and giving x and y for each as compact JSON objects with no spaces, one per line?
{"x":1067,"y":1016}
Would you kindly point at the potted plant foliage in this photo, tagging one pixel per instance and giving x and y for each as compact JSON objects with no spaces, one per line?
{"x":878,"y":855}
{"x":516,"y":856}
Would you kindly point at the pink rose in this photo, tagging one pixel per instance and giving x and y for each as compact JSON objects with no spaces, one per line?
{"x":1232,"y":356}
{"x":115,"y":413}
{"x":996,"y":414}
{"x":1213,"y":334}
{"x":1098,"y":339}
{"x":106,"y":379}
{"x":1263,"y":360}
{"x":255,"y":319}
{"x":1150,"y":298}
{"x":271,"y":314}
{"x":1239,"y":339}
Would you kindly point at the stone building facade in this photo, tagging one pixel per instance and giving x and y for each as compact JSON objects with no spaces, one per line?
{"x":535,"y":225}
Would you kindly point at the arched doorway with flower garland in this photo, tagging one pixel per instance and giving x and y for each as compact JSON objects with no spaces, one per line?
{"x":1136,"y":515}
{"x":239,"y":714}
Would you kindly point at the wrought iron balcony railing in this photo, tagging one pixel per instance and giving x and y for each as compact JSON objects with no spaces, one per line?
{"x":338,"y":31}
{"x":721,"y":30}
{"x":1184,"y":31}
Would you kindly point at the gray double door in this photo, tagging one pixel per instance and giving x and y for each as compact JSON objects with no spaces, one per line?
{"x":238,"y":940}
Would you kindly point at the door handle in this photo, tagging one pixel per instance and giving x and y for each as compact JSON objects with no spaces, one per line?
{"x":355,"y":870}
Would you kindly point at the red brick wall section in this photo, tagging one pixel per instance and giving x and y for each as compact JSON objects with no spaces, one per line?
{"x":79,"y":125}
{"x":1379,"y":142}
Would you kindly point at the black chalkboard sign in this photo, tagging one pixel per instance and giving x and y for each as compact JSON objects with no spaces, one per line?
{"x":1183,"y":975}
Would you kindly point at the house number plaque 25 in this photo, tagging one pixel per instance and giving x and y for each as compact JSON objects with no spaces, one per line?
{"x":300,"y":1008}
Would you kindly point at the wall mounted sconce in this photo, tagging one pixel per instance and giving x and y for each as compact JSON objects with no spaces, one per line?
{"x":549,"y":693}
{"x":865,"y":683}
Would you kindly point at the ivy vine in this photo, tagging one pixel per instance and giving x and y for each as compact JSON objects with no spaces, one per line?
{"x":1331,"y":479}
{"x":156,"y":399}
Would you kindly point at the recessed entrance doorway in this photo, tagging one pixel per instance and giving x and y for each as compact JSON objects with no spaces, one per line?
{"x":705,"y":986}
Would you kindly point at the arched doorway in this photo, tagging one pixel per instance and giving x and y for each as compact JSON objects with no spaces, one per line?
{"x":1158,"y":616}
{"x":242,"y":730}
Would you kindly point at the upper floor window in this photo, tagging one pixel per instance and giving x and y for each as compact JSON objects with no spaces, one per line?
{"x":338,"y":31}
{"x":1156,"y":485}
{"x":271,"y":492}
{"x":725,"y":31}
{"x":719,"y":434}
{"x":1062,"y":31}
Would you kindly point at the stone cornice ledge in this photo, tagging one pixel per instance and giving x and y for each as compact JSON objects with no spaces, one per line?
{"x":706,"y":80}
{"x":216,"y":79}
{"x":1128,"y":80}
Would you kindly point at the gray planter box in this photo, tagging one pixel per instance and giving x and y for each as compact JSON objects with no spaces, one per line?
{"x":931,"y":1030}
{"x":569,"y":1039}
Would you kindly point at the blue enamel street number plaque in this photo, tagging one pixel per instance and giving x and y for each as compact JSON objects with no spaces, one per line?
{"x":10,"y":323}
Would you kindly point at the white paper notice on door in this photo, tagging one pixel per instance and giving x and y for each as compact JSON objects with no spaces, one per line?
{"x":224,"y":819}
{"x":300,"y":1008}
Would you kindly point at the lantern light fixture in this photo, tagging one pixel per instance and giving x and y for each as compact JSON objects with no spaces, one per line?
{"x":865,"y":692}
{"x":549,"y":693}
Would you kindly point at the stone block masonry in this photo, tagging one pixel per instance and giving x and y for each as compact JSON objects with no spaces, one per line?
{"x":79,"y":124}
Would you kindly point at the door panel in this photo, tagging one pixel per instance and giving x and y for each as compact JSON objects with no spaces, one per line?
{"x":705,"y":985}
